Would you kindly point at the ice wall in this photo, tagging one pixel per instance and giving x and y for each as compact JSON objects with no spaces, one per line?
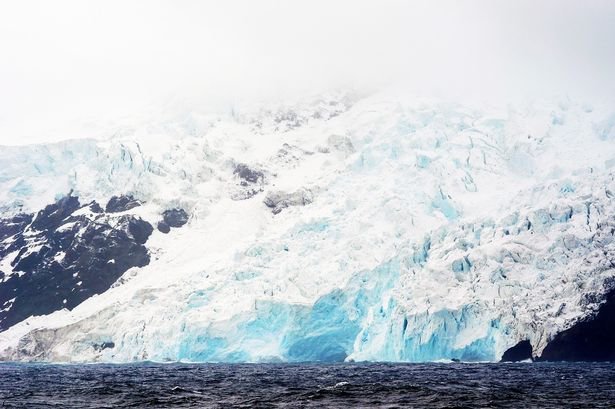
{"x":433,"y":231}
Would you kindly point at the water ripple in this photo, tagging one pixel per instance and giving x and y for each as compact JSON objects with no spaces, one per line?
{"x":544,"y":385}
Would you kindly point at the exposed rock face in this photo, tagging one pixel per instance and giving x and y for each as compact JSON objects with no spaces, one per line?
{"x":67,"y":254}
{"x":121,"y":204}
{"x":163,"y":227}
{"x":592,"y":339}
{"x":103,"y":345}
{"x":250,"y":182}
{"x":14,"y":225}
{"x":95,"y":207}
{"x":53,"y":214}
{"x":520,"y":352}
{"x":175,"y":217}
{"x":172,"y":218}
{"x":247,"y":175}
{"x":278,"y":200}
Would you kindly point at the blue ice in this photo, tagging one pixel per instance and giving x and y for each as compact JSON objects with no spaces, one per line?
{"x":334,"y":327}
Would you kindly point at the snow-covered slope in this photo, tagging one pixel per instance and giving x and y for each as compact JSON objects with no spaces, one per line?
{"x":344,"y":227}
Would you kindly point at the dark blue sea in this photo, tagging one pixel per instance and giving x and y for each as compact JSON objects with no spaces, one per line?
{"x":538,"y":385}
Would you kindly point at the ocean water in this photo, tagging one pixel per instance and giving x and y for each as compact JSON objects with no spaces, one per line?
{"x":456,"y":385}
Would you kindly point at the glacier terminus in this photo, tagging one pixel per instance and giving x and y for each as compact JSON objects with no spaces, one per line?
{"x":344,"y":227}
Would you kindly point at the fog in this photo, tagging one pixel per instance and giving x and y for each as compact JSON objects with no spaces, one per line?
{"x":63,"y":61}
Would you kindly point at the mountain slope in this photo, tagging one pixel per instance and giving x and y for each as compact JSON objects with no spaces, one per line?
{"x":347,"y":227}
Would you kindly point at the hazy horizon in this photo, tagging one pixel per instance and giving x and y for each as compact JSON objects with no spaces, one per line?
{"x":67,"y":61}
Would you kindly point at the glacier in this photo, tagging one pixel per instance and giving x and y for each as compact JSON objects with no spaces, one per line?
{"x":347,"y":227}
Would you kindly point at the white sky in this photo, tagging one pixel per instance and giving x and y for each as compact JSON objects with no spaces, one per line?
{"x":65,"y":60}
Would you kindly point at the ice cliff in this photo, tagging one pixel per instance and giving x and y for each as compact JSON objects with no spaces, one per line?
{"x":347,"y":227}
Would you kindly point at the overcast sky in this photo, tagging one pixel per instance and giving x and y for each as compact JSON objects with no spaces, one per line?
{"x":63,"y":60}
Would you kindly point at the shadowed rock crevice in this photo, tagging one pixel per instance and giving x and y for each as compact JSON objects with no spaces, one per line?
{"x":522,"y":351}
{"x":62,"y":258}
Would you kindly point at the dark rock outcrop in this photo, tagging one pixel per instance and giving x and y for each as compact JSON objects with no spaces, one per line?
{"x":95,"y":207}
{"x":121,"y":203}
{"x":248,"y":175}
{"x":172,"y":218}
{"x":104,"y":345}
{"x":61,"y":259}
{"x":520,"y":352}
{"x":163,"y":227}
{"x":175,"y":217}
{"x":54,"y":213}
{"x":592,"y":339}
{"x":278,"y":200}
{"x":14,"y":225}
{"x":251,"y":181}
{"x":139,"y":229}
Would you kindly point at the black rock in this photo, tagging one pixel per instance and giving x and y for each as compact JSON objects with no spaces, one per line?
{"x":520,"y":352}
{"x":175,"y":217}
{"x":251,"y":182}
{"x":592,"y":339}
{"x":121,"y":204}
{"x":163,"y":227}
{"x":104,"y":345}
{"x":139,"y":229}
{"x":95,"y":207}
{"x":248,"y":175}
{"x":63,"y":259}
{"x":14,"y":225}
{"x":53,"y":214}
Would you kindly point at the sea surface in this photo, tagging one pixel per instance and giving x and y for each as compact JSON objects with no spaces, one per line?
{"x":455,"y":385}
